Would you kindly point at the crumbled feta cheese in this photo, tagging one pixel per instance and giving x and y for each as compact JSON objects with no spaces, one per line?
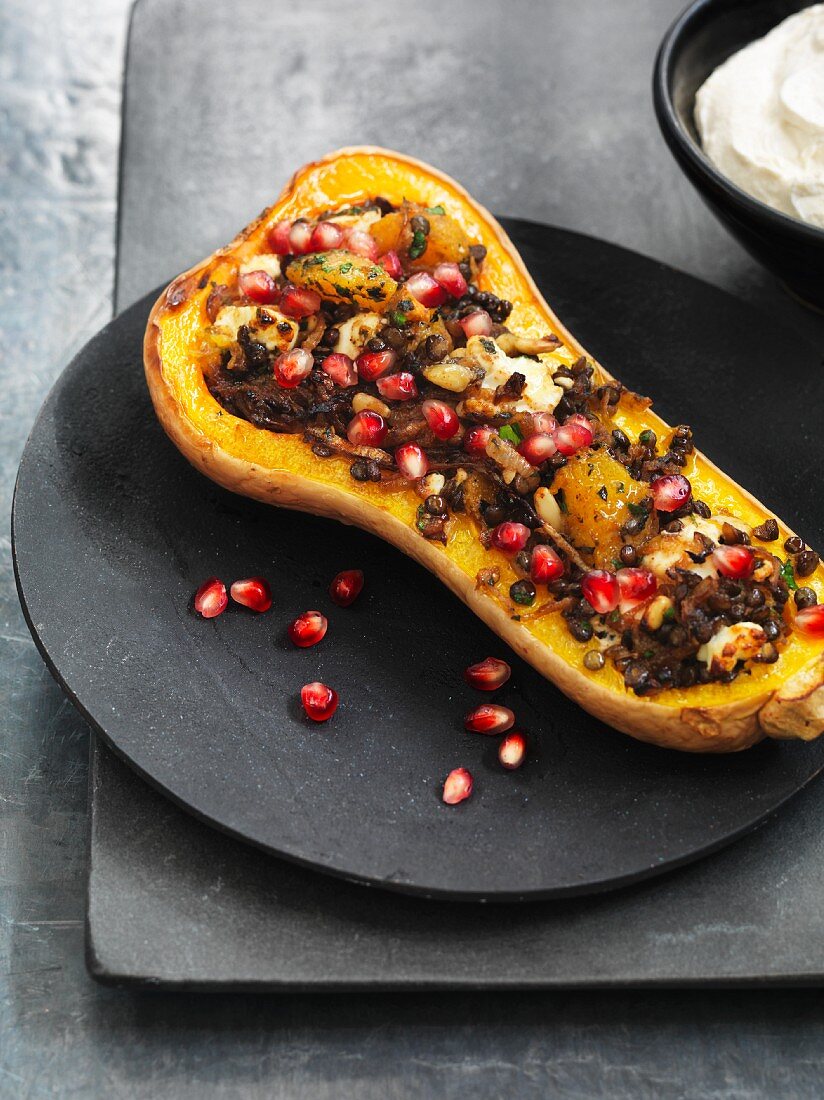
{"x":266,"y":325}
{"x":734,"y":643}
{"x":541,"y":393}
{"x":355,"y":333}
{"x":266,"y":261}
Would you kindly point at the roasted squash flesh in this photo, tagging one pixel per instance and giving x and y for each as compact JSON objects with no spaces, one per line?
{"x":597,"y":495}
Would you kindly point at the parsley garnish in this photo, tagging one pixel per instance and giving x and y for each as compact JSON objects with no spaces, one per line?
{"x":788,"y":573}
{"x":435,"y":210}
{"x":397,"y":318}
{"x":511,"y":434}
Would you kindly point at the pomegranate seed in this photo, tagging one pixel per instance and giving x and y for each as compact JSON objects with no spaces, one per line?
{"x":488,"y":675}
{"x":572,"y":437}
{"x":325,"y":236}
{"x":411,"y":460}
{"x":477,"y":323}
{"x":397,"y":387}
{"x":811,"y":621}
{"x":292,"y":367}
{"x":319,"y":701}
{"x":299,"y":301}
{"x":733,"y":561}
{"x":600,"y":589}
{"x":211,"y":598}
{"x":425,"y":290}
{"x":509,"y":537}
{"x":308,"y":629}
{"x":490,"y":719}
{"x":366,"y":429}
{"x":340,"y":368}
{"x":278,"y":237}
{"x":346,"y":587}
{"x":579,"y":418}
{"x":391,"y":264}
{"x":259,"y":286}
{"x":635,"y":585}
{"x":476,"y":439}
{"x":300,"y":238}
{"x":442,"y":419}
{"x":449,"y":278}
{"x":372,"y":364}
{"x":457,"y":786}
{"x":253,"y":592}
{"x":544,"y":422}
{"x":538,"y":448}
{"x":362,"y":244}
{"x":545,"y":566}
{"x":512,"y":750}
{"x":670,"y":492}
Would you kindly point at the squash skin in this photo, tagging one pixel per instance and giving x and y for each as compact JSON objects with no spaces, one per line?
{"x":793,"y":708}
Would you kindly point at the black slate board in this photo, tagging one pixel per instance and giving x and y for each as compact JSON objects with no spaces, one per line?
{"x":208,"y":710}
{"x":178,"y":904}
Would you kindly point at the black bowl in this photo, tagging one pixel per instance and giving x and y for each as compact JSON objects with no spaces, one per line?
{"x":706,"y":34}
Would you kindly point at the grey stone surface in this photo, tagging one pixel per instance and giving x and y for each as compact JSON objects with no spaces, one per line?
{"x":60,"y":1034}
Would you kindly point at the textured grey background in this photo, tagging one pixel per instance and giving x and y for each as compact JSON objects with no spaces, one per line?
{"x":62,"y":1036}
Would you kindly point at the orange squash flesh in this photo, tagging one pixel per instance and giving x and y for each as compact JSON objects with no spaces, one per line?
{"x":785,"y":699}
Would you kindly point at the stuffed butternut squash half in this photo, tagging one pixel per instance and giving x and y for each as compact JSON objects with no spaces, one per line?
{"x":372,"y":349}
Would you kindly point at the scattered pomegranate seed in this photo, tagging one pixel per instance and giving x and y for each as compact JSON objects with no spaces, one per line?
{"x":278,"y":237}
{"x":477,"y":323}
{"x":811,"y":621}
{"x":570,"y":438}
{"x":476,"y":439}
{"x":299,"y":301}
{"x":366,"y":429}
{"x":346,"y":587}
{"x":670,"y":492}
{"x":545,"y":423}
{"x":308,"y":629}
{"x":211,"y":598}
{"x":512,"y":750}
{"x":326,"y":235}
{"x":425,"y":290}
{"x":362,"y":244}
{"x":397,"y":387}
{"x":488,"y":675}
{"x":733,"y":561}
{"x":340,"y":368}
{"x":372,"y":364}
{"x":442,"y":419}
{"x":252,"y":592}
{"x":600,"y":589}
{"x":538,"y":448}
{"x":411,"y":460}
{"x":391,"y":264}
{"x":319,"y":701}
{"x":260,"y":287}
{"x":292,"y":367}
{"x":545,"y":566}
{"x":457,"y":786}
{"x":300,"y":238}
{"x":489,"y":719}
{"x":509,"y":537}
{"x":450,"y":278}
{"x":636,"y":586}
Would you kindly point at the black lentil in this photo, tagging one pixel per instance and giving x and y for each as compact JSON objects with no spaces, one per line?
{"x":766,"y":531}
{"x":806,"y":563}
{"x":805,"y":597}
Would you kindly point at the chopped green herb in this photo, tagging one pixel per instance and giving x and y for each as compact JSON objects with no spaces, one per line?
{"x":646,"y":436}
{"x":668,"y":615}
{"x":420,"y":522}
{"x":435,"y":210}
{"x":344,"y":268}
{"x":614,"y":616}
{"x":511,"y":434}
{"x":397,"y":318}
{"x":649,"y":653}
{"x":637,"y":509}
{"x":788,"y":573}
{"x":617,"y":563}
{"x":602,"y":493}
{"x":418,"y":246}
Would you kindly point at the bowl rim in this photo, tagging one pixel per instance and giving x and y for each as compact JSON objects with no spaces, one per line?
{"x":674,"y":131}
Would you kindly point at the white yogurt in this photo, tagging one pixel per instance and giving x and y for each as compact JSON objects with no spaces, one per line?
{"x":760,"y":116}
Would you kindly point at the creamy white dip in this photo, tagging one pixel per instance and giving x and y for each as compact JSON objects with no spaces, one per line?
{"x":760,"y":117}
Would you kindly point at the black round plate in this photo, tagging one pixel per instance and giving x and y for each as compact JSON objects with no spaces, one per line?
{"x":113,"y":531}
